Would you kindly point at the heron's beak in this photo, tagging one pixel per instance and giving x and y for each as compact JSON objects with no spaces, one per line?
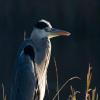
{"x":56,"y":32}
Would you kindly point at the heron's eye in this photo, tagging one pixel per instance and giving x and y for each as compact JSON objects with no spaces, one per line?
{"x":47,"y":29}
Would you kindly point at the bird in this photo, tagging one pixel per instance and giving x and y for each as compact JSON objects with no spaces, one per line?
{"x":32,"y":61}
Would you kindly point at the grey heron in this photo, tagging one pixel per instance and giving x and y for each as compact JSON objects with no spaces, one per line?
{"x":30,"y":75}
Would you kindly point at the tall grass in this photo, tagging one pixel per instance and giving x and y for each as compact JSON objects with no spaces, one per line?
{"x":3,"y":92}
{"x":90,"y":94}
{"x":73,"y":94}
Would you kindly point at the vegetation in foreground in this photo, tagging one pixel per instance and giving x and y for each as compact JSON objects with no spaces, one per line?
{"x":90,"y":94}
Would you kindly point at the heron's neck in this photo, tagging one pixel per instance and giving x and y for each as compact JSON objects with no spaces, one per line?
{"x":37,"y":35}
{"x":43,"y":48}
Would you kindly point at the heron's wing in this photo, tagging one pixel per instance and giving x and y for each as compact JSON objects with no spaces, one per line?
{"x":25,"y":82}
{"x":24,"y":85}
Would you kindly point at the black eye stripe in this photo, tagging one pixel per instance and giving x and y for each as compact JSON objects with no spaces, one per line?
{"x":41,"y":25}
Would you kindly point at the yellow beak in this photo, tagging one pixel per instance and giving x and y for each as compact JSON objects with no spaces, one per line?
{"x":56,"y":32}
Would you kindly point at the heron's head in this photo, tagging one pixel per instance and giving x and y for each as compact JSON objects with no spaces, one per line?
{"x":44,"y":29}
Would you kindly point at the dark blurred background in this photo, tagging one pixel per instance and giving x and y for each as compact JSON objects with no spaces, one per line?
{"x":72,"y":54}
